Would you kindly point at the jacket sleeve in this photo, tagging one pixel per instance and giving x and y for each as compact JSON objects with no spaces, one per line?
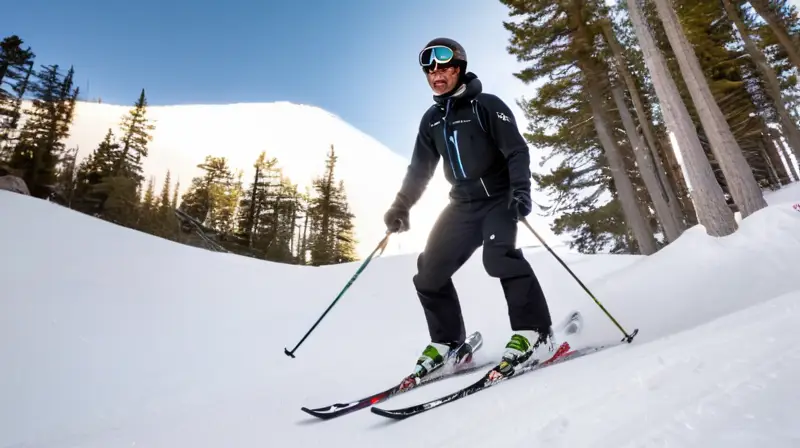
{"x":424,"y":159}
{"x":502,"y":127}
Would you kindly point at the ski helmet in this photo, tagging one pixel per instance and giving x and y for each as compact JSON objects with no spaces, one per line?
{"x":429,"y":55}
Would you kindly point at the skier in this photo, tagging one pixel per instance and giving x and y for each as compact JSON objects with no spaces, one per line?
{"x":487,"y":163}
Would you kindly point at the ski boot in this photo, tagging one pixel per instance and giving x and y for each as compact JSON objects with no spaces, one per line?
{"x":525,"y":347}
{"x":437,"y":356}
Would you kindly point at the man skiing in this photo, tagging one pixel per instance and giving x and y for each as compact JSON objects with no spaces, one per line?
{"x":487,"y":163}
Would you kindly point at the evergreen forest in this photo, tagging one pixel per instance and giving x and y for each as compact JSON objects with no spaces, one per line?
{"x":265,"y":217}
{"x":650,"y":117}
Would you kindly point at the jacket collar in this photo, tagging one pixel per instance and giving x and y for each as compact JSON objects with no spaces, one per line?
{"x":469,"y":88}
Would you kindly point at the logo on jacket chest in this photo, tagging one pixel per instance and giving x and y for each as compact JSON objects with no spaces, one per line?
{"x":457,"y":122}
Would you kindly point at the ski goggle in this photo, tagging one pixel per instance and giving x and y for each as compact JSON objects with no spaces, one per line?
{"x":436,"y":54}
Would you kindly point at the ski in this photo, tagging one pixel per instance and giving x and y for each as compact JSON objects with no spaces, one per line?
{"x":572,"y":324}
{"x":472,"y":344}
{"x":491,"y":378}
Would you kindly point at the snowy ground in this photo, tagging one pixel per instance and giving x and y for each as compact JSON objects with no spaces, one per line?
{"x":112,"y":338}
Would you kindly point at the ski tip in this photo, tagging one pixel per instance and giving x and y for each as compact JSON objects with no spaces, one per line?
{"x":316,"y":414}
{"x":387,"y":413}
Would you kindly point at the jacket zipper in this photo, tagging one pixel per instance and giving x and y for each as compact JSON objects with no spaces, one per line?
{"x":455,"y":145}
{"x":484,"y":187}
{"x":446,"y":141}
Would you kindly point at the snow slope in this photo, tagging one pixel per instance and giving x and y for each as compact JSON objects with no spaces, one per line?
{"x":113,"y":338}
{"x":299,"y":136}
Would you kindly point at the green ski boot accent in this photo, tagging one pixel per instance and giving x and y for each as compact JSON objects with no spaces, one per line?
{"x":431,"y":359}
{"x":519,"y":342}
{"x":520,"y":349}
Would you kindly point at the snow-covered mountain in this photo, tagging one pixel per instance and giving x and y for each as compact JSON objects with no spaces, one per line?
{"x":300,"y":137}
{"x":112,"y":338}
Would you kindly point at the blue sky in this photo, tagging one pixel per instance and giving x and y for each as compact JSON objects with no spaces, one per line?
{"x":355,"y":58}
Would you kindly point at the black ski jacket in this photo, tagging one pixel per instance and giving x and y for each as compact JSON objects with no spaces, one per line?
{"x":485,"y":156}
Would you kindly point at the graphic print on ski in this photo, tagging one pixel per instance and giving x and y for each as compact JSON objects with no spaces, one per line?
{"x":570,"y":325}
{"x":562,"y":354}
{"x":472,"y":345}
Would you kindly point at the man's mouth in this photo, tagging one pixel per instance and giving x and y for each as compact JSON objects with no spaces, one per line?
{"x":439,"y":83}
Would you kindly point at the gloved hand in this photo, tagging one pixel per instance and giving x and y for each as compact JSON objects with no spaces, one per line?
{"x":521,"y":202}
{"x":396,"y":219}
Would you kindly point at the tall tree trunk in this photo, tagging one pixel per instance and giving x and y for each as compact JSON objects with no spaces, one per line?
{"x":777,"y":26}
{"x":626,"y":194}
{"x":739,"y":176}
{"x":293,"y":214}
{"x":772,"y":172}
{"x":770,"y":79}
{"x":304,"y":244}
{"x":583,"y":45}
{"x":712,"y":211}
{"x":253,"y":205}
{"x":667,"y":152}
{"x":641,"y":114}
{"x":671,"y":224}
{"x":776,"y":139}
{"x":774,"y":154}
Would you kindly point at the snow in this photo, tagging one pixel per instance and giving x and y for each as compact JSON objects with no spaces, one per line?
{"x":299,"y":136}
{"x":112,"y":338}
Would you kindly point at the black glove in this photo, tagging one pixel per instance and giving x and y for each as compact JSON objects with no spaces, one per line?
{"x":521,"y":202}
{"x":396,"y":219}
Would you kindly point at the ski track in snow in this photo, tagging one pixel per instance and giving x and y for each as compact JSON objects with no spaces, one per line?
{"x":191,"y":353}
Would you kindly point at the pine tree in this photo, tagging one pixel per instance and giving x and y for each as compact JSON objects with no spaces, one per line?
{"x":740,"y":180}
{"x":769,"y":75}
{"x":40,"y":146}
{"x":779,"y":14}
{"x":118,"y":190}
{"x":174,"y":202}
{"x":345,"y":249}
{"x":136,"y":135}
{"x":96,"y":168}
{"x":254,"y":205}
{"x":736,"y":83}
{"x":213,"y":197}
{"x":712,"y":210}
{"x":66,"y":177}
{"x":148,"y":208}
{"x":163,"y":198}
{"x":16,"y":68}
{"x":571,"y":115}
{"x":268,"y":214}
{"x":659,"y":141}
{"x":303,"y":236}
{"x":662,"y":188}
{"x":330,"y":219}
{"x":282,"y":223}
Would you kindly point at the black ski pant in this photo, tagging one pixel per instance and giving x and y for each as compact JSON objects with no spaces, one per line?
{"x":462,"y":227}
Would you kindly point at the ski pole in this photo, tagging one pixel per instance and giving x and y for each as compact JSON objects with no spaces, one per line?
{"x":381,"y":246}
{"x":628,"y":337}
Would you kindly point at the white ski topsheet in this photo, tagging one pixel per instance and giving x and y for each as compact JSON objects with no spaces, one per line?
{"x":112,"y":338}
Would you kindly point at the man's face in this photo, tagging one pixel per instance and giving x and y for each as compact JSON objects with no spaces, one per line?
{"x":442,"y":79}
